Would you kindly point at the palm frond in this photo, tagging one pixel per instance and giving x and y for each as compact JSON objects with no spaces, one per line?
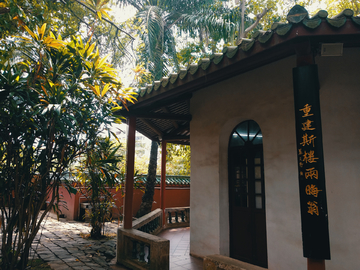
{"x":222,"y":24}
{"x":183,"y":6}
{"x":153,"y":35}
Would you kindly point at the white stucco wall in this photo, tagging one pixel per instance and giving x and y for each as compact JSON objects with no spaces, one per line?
{"x":266,"y":96}
{"x":340,"y":109}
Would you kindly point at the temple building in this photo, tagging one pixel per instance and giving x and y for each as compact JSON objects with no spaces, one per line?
{"x":273,"y":125}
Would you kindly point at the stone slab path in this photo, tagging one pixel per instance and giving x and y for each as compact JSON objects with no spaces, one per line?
{"x":60,"y":244}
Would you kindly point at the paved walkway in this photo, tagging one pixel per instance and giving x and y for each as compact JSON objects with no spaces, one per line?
{"x":60,"y":244}
{"x":180,"y":258}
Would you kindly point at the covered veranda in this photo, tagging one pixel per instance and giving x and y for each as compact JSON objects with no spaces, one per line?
{"x":164,"y":122}
{"x":174,"y":128}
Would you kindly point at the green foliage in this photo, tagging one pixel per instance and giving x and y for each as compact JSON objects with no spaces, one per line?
{"x":219,"y":24}
{"x":155,"y":21}
{"x":88,"y":18}
{"x":57,"y":96}
{"x":16,"y":13}
{"x":98,"y":172}
{"x":335,"y":7}
{"x":178,"y":159}
{"x":190,"y":54}
{"x":141,"y":158}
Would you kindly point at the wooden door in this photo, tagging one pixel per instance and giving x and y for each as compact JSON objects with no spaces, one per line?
{"x":247,"y":196}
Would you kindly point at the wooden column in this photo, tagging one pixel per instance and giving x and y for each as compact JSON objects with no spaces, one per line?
{"x":304,"y":59}
{"x":315,"y":264}
{"x":129,"y":180}
{"x":163,"y":178}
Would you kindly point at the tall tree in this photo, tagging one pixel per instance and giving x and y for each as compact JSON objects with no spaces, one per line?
{"x":158,"y":20}
{"x":98,"y":170}
{"x":88,"y":18}
{"x":56,"y":95}
{"x":158,"y":53}
{"x":148,"y":197}
{"x":225,"y":23}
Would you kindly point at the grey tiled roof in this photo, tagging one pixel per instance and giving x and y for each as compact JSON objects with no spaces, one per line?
{"x":262,"y":37}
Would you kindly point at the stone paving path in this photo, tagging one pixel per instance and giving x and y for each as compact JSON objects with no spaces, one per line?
{"x":60,"y":244}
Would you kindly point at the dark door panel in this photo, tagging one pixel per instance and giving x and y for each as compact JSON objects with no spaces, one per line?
{"x":247,"y":195}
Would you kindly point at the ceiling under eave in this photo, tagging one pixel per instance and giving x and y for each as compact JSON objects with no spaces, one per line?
{"x":162,"y":109}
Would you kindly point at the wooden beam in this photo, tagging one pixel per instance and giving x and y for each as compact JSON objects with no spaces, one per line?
{"x":181,"y":142}
{"x":149,"y":115}
{"x":129,"y":180}
{"x":304,"y":54}
{"x":180,"y":130}
{"x":166,"y":101}
{"x":166,"y":110}
{"x":176,"y":138}
{"x":153,"y":127}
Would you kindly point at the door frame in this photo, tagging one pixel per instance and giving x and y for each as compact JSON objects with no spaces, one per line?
{"x":258,"y":254}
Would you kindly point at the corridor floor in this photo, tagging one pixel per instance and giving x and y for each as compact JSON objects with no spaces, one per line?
{"x":180,"y":258}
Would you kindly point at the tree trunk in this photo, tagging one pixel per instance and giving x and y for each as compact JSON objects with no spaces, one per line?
{"x":241,"y":28}
{"x":148,"y":197}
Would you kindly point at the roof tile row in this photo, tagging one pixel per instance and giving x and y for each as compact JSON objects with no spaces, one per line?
{"x":172,"y":180}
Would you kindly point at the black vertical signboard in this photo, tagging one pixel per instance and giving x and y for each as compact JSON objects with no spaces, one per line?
{"x":314,"y":217}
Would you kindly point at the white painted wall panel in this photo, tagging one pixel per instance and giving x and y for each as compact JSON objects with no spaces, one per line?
{"x":266,"y":96}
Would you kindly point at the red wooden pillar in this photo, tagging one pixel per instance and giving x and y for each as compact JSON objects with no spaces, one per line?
{"x":163,"y":178}
{"x":315,"y":264}
{"x":129,"y":180}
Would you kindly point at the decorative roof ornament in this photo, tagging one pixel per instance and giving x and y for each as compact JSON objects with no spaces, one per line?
{"x":340,"y":19}
{"x":297,"y":14}
{"x":193,"y":68}
{"x":157,"y":85}
{"x":173,"y":77}
{"x":216,"y":58}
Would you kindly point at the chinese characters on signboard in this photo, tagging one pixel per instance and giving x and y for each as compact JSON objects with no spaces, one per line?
{"x":308,"y":160}
{"x":314,"y":219}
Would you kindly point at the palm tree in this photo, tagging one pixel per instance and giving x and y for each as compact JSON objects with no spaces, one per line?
{"x":158,"y":19}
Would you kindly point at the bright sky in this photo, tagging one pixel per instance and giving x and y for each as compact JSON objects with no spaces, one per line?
{"x":122,"y":14}
{"x":316,"y":6}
